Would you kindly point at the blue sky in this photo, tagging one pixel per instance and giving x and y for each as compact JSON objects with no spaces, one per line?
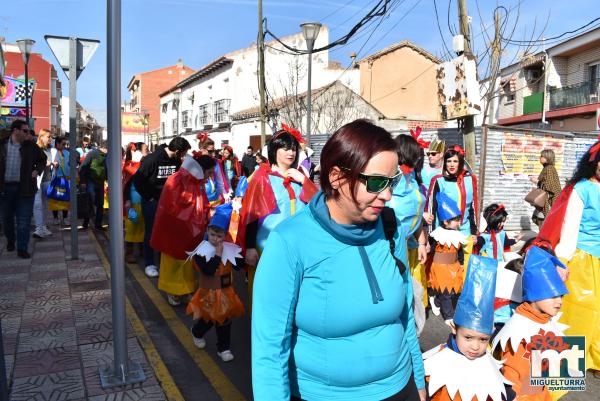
{"x":158,"y":32}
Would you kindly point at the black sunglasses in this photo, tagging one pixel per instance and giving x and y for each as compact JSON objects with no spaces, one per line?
{"x":377,"y":183}
{"x":432,"y":153}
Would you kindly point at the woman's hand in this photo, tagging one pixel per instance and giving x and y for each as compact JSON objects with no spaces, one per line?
{"x":251,"y":256}
{"x":428,"y":217}
{"x":423,"y":394}
{"x":296,"y":175}
{"x":422,"y":252}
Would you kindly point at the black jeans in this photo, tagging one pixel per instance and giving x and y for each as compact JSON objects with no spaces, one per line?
{"x":223,"y":332}
{"x":97,"y":194}
{"x":408,"y":393}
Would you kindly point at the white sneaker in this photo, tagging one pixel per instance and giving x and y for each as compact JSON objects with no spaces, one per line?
{"x":45,"y":231}
{"x":66,"y":222}
{"x":226,"y":355}
{"x":151,"y":271}
{"x":174,"y":300}
{"x":434,"y":308}
{"x":199,"y":342}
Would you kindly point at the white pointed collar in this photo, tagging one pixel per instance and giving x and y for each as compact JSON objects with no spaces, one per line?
{"x":448,"y":237}
{"x":480,"y":377}
{"x":206,"y":249}
{"x":519,"y":328}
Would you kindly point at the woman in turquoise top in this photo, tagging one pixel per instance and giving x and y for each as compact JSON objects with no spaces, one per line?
{"x":408,"y":202}
{"x":275,"y":192}
{"x":332,"y":317}
{"x":579,"y":244}
{"x":460,"y":185}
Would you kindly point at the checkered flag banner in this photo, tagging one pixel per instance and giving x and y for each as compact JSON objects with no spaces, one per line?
{"x":20,"y":91}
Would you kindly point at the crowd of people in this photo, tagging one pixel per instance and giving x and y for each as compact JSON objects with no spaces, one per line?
{"x":342,"y":275}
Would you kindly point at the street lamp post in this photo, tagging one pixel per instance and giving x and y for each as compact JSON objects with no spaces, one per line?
{"x":310,"y":30}
{"x":25,"y":46}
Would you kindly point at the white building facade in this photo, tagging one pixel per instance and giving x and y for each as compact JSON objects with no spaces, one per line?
{"x":208,"y":98}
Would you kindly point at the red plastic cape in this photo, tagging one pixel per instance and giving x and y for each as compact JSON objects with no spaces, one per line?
{"x":463,"y":194}
{"x":129,"y":169}
{"x":181,"y":216}
{"x":551,"y":228}
{"x":259,"y":200}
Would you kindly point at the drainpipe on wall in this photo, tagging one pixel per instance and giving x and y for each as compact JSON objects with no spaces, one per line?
{"x":545,"y":84}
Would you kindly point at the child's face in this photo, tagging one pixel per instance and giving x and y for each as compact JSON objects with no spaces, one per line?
{"x":471,"y":343}
{"x":550,"y":306}
{"x":215,"y":236}
{"x":453,"y":224}
{"x":501,"y":225}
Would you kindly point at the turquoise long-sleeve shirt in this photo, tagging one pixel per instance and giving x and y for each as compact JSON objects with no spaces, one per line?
{"x":317,"y":332}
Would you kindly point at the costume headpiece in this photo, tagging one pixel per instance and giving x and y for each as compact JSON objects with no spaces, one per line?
{"x":594,"y":150}
{"x":447,"y":209}
{"x":437,"y":145}
{"x":202,"y":136}
{"x":457,"y":149}
{"x":242,"y":186}
{"x":475,"y":307}
{"x":293,"y":132}
{"x":416,"y":134}
{"x":541,"y":279}
{"x":222,"y":217}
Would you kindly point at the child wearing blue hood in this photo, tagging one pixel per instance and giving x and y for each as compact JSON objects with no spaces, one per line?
{"x":215,"y":302}
{"x":463,"y":368}
{"x":446,"y":271}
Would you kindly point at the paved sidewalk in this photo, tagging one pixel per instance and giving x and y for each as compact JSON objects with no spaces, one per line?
{"x":57,"y":325}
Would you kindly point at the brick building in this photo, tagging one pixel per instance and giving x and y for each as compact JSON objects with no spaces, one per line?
{"x":145,"y":88}
{"x":45,"y":106}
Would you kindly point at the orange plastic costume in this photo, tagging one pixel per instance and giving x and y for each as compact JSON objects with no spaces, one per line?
{"x":212,"y":302}
{"x":449,"y":275}
{"x":517,"y":366}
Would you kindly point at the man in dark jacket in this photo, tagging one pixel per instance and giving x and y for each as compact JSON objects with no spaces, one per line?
{"x":249,"y":162}
{"x":149,"y":181}
{"x":21,"y":161}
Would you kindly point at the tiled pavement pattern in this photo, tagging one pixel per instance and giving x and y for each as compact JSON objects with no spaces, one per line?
{"x":57,"y":325}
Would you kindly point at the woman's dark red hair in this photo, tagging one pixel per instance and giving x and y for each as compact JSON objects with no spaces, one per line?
{"x":350,"y":148}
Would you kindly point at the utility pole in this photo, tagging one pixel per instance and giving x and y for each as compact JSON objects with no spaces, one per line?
{"x":469,"y":121}
{"x":495,"y":67}
{"x":261,"y":75}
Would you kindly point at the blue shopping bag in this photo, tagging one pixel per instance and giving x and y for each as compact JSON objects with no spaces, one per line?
{"x":59,"y":189}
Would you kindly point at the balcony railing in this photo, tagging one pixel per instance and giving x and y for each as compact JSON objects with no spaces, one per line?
{"x":533,"y":103}
{"x":221,"y":111}
{"x":574,"y":95}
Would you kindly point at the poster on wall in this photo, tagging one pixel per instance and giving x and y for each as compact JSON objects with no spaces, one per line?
{"x":132,"y":124}
{"x":12,"y":93}
{"x":521,"y":153}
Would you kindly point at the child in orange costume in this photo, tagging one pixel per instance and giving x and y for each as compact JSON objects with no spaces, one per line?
{"x":543,"y":289}
{"x":446,"y":271}
{"x":463,"y":368}
{"x":215,"y":302}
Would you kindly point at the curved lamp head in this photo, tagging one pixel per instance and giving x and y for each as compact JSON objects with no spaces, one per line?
{"x":310,"y":31}
{"x":25,"y":46}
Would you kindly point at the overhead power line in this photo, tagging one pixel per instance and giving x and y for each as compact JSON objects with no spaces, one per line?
{"x":546,"y":40}
{"x":380,"y":10}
